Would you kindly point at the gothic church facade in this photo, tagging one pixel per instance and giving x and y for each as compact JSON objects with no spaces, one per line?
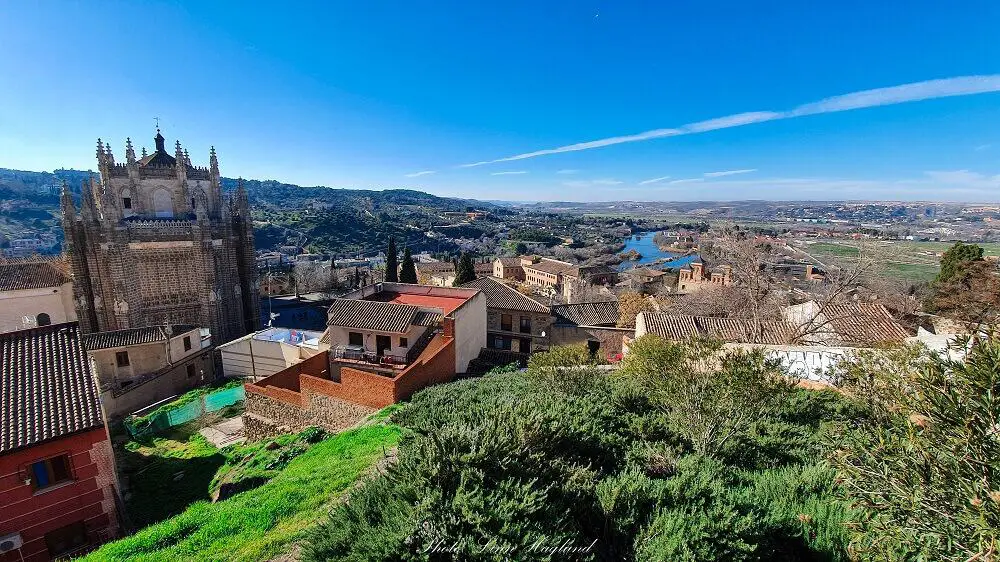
{"x":155,"y":241}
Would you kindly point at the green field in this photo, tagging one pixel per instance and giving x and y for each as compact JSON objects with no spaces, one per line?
{"x":903,"y":259}
{"x":260,"y":523}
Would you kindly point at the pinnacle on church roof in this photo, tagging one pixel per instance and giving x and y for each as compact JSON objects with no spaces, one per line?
{"x":159,"y":140}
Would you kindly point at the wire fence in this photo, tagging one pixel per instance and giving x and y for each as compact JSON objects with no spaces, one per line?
{"x":182,"y":411}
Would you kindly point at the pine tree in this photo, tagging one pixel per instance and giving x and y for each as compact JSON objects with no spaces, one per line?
{"x":391,"y":266}
{"x":956,"y":258}
{"x":465,"y":271}
{"x":408,"y":271}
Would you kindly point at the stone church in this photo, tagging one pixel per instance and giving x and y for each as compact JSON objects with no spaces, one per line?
{"x":156,"y":242}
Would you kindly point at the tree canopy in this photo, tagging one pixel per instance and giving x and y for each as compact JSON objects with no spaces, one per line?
{"x":391,"y":265}
{"x":956,"y":258}
{"x":465,"y":271}
{"x":407,"y":271}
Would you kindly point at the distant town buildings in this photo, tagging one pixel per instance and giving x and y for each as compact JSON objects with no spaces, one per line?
{"x":695,"y":278}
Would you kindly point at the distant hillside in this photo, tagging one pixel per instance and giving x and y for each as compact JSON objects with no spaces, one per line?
{"x":321,"y":218}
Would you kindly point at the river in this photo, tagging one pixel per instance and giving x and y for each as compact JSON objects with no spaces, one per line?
{"x":643,"y":243}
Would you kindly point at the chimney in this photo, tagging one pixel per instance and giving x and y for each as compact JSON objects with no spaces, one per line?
{"x":449,"y":327}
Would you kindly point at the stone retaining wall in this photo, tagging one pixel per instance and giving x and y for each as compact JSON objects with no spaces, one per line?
{"x":266,"y":417}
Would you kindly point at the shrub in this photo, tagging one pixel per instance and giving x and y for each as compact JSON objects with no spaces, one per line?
{"x":927,"y":478}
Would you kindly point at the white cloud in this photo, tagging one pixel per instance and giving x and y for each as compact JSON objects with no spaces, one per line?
{"x":964,"y":178}
{"x":418,"y":174}
{"x":737,"y":120}
{"x":729,"y":173}
{"x":982,"y":147}
{"x":592,"y":183}
{"x":511,"y":173}
{"x":687,"y":180}
{"x":564,"y":172}
{"x":655,"y":134}
{"x":654,"y":180}
{"x":916,"y":91}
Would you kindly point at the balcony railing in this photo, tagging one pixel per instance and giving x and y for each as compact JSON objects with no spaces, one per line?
{"x":370,"y":357}
{"x":352,"y":353}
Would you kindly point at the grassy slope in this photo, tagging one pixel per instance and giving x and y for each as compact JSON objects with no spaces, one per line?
{"x":259,"y":523}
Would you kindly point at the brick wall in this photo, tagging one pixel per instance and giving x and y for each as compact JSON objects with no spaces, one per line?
{"x":273,"y":407}
{"x":609,"y":338}
{"x":437,"y":366}
{"x":89,"y":497}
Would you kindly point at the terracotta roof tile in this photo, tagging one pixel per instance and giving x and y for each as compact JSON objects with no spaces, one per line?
{"x":864,"y":323}
{"x":132,"y":336}
{"x":46,"y":387}
{"x":679,"y":327}
{"x":21,"y":275}
{"x":371,"y":315}
{"x":552,"y":266}
{"x":587,"y":313}
{"x":504,"y":297}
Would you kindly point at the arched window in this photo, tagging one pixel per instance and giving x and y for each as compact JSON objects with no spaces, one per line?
{"x":43,"y":319}
{"x":163,"y":206}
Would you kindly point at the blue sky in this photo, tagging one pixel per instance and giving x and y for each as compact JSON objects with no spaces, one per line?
{"x":371,"y":94}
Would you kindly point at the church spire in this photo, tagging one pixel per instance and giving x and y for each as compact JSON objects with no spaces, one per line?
{"x":143,"y":152}
{"x":88,"y":209}
{"x":66,"y":202}
{"x":129,"y":152}
{"x":242,"y":201}
{"x":159,"y":140}
{"x":213,"y":161}
{"x":100,"y":151}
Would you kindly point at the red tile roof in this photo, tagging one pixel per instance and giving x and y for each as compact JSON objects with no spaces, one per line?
{"x":46,"y":387}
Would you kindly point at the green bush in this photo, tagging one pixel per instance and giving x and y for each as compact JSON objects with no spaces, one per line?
{"x":926,"y":474}
{"x":492,"y":468}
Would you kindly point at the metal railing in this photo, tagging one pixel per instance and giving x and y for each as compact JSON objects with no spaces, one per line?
{"x":370,"y":357}
{"x":386,"y":359}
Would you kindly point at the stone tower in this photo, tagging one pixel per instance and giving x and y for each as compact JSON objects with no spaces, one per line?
{"x":155,"y":241}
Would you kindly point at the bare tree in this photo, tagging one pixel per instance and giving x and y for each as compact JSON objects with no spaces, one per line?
{"x":758,"y":297}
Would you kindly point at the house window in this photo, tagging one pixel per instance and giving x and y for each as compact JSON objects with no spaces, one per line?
{"x":506,"y":322}
{"x":127,"y":202}
{"x":403,"y":342}
{"x":121,"y":359}
{"x":43,"y":319}
{"x":355,"y":338}
{"x":50,"y":472}
{"x":187,"y":343}
{"x":65,"y":540}
{"x":190,"y":370}
{"x":525,"y":324}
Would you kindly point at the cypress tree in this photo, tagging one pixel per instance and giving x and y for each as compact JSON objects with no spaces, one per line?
{"x":465,"y":271}
{"x":391,"y":266}
{"x":408,"y":271}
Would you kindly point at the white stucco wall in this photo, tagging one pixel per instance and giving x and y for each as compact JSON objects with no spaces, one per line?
{"x":810,"y":362}
{"x":57,"y":302}
{"x":470,"y":331}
